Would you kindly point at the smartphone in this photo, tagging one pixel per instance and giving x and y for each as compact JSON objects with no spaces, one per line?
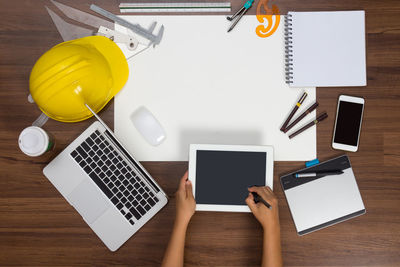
{"x":346,"y":135}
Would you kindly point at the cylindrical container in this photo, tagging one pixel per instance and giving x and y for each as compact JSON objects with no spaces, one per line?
{"x":34,"y":141}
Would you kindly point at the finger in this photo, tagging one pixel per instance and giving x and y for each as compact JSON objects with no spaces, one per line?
{"x":269,"y":193}
{"x":272,"y":199}
{"x":265,"y":194}
{"x":250,"y":202}
{"x":189,"y":189}
{"x":182,"y":182}
{"x":185,"y":176}
{"x":251,"y":196}
{"x":261,"y":191}
{"x":269,"y":189}
{"x":254,"y":189}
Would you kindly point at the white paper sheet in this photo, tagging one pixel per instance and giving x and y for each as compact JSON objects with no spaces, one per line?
{"x":205,"y":85}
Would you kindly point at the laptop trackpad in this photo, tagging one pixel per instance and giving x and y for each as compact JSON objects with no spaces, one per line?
{"x":89,"y":201}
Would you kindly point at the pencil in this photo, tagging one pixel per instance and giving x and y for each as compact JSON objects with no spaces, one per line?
{"x":317,"y":120}
{"x":305,"y":113}
{"x":295,"y":108}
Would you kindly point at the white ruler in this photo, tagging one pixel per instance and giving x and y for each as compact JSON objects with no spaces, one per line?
{"x":175,"y":7}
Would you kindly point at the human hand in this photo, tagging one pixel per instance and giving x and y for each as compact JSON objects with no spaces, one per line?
{"x":185,"y":203}
{"x":268,"y":218}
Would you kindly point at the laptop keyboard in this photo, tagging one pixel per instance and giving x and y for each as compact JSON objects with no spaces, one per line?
{"x":118,"y":181}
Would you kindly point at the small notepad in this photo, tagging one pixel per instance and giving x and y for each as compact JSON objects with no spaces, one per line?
{"x":325,"y":49}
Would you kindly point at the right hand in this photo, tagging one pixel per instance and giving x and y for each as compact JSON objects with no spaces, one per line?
{"x":268,"y":218}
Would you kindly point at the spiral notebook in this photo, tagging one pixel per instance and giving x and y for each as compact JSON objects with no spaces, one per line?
{"x":325,"y":49}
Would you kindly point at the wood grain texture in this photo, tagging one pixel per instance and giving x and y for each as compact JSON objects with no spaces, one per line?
{"x":39,"y":228}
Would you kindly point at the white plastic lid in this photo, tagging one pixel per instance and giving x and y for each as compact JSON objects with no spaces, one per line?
{"x":33,"y":141}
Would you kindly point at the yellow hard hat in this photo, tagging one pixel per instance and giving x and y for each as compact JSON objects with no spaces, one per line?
{"x":89,"y":70}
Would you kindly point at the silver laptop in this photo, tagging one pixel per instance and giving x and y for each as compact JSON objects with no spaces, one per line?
{"x":113,"y":193}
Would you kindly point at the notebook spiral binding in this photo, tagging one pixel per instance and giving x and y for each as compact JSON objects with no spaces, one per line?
{"x":288,"y":49}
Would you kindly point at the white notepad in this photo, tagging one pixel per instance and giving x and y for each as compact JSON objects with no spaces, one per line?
{"x":325,"y":48}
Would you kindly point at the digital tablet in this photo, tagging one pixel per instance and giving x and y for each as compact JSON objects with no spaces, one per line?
{"x":221,"y":174}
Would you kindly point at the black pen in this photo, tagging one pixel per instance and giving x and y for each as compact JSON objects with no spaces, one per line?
{"x":320,"y":118}
{"x":299,"y":118}
{"x":301,"y":100}
{"x":318,"y":173}
{"x":257,"y":199}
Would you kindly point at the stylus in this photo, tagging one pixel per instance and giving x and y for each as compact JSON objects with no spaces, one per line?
{"x":257,"y":199}
{"x":315,"y":174}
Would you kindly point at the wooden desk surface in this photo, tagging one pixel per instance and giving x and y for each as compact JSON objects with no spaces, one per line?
{"x":38,"y":227}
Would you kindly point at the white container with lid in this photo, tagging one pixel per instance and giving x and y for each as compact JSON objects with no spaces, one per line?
{"x":34,"y":141}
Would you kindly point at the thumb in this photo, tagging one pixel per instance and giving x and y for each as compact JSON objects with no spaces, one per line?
{"x":250,"y":202}
{"x":182,"y":183}
{"x":189,"y":189}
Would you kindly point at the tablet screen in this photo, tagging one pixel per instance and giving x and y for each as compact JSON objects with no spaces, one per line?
{"x":222,"y":177}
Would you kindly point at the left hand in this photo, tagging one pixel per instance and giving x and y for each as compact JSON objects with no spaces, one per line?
{"x":185,"y":203}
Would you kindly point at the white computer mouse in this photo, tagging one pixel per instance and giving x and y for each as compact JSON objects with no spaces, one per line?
{"x":148,"y":126}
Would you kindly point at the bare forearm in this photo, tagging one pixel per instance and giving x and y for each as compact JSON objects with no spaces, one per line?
{"x":175,"y":250}
{"x":272,"y":255}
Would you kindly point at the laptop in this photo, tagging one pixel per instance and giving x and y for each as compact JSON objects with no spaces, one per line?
{"x":112,"y":191}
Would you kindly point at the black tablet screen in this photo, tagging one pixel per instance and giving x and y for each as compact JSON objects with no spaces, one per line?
{"x":222,"y":177}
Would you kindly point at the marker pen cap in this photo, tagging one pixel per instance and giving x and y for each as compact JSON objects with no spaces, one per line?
{"x":34,"y":141}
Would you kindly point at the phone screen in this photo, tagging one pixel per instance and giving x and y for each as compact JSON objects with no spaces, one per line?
{"x":348,"y":123}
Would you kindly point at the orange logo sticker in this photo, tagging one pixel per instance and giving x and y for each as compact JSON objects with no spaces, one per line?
{"x":265,"y":30}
